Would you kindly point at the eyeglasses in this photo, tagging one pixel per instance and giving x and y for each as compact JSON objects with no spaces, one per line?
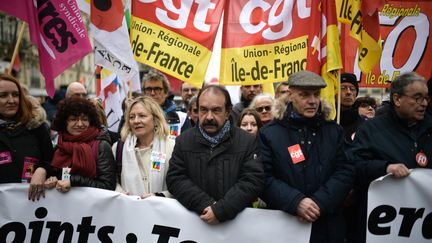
{"x":419,"y":99}
{"x":346,"y":88}
{"x":263,"y":108}
{"x":187,"y":90}
{"x":366,"y":105}
{"x":74,"y":119}
{"x":156,"y":90}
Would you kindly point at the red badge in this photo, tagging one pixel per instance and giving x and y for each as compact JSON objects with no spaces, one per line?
{"x":421,"y":159}
{"x":296,"y":153}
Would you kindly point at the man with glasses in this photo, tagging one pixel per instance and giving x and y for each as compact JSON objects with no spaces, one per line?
{"x":156,"y":85}
{"x":394,"y":142}
{"x":350,"y":120}
{"x":248,"y":93}
{"x":187,"y":92}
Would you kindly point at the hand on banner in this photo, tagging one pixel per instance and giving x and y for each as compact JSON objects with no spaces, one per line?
{"x":63,"y":185}
{"x":398,"y":170}
{"x":208,"y":216}
{"x":144,"y":196}
{"x":308,"y":210}
{"x":37,"y":189}
{"x":51,"y":182}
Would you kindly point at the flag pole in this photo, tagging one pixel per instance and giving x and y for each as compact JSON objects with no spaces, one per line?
{"x":17,"y":46}
{"x":130,"y":89}
{"x":338,"y":98}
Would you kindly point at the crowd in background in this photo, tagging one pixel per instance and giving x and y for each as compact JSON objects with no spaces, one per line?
{"x":216,"y":158}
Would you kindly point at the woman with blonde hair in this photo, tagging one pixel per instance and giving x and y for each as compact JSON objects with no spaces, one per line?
{"x":25,"y":145}
{"x":144,"y":151}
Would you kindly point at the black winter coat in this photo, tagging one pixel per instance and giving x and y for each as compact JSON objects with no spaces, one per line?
{"x":228,"y":177}
{"x":325,"y":176}
{"x":384,"y":140}
{"x":105,"y":168}
{"x":21,"y":144}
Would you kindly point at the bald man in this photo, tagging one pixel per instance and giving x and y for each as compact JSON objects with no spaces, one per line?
{"x":76,"y":89}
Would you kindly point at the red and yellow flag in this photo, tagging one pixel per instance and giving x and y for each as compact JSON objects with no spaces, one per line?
{"x":362,"y":16}
{"x":325,"y":56}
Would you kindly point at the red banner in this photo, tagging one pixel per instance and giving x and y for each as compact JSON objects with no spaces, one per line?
{"x":405,"y":28}
{"x":175,"y":37}
{"x":264,"y":41}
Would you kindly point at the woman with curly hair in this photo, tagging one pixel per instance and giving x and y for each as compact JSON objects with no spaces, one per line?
{"x":25,"y":144}
{"x":144,"y":150}
{"x":83,"y":154}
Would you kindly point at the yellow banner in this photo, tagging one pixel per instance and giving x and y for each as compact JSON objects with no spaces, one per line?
{"x":263,"y":63}
{"x":169,"y":52}
{"x":349,"y":11}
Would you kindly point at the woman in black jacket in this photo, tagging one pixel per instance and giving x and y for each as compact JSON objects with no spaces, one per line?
{"x":25,"y":144}
{"x":83,"y":154}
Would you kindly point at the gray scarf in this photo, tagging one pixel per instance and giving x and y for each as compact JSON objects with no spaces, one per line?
{"x":214,"y":140}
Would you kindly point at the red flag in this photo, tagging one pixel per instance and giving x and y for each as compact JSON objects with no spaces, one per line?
{"x":325,"y":56}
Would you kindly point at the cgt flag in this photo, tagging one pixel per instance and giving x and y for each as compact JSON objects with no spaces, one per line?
{"x":264,"y":41}
{"x":324,"y":56}
{"x":58,"y":31}
{"x":176,"y":39}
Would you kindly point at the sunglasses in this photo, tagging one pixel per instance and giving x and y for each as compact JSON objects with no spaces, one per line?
{"x":263,"y":108}
{"x":366,"y":105}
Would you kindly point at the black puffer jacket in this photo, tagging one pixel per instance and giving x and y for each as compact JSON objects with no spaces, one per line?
{"x":105,"y":168}
{"x":325,"y":175}
{"x":228,"y":177}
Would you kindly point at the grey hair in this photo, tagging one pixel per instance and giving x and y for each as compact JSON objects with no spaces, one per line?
{"x":400,"y":82}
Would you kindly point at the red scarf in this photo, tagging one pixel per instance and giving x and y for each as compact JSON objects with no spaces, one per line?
{"x":76,"y":152}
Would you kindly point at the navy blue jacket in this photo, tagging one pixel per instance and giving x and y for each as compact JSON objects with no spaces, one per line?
{"x":325,"y":176}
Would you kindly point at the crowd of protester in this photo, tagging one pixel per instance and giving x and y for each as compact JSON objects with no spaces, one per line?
{"x":216,"y":158}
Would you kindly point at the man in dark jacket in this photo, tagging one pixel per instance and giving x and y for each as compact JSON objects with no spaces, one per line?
{"x":393,"y":142}
{"x":350,"y":119}
{"x":248,"y":93}
{"x":308,"y":174}
{"x":215,"y":169}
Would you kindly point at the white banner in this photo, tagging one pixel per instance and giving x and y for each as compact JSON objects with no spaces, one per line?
{"x":400,"y":210}
{"x":94,"y":215}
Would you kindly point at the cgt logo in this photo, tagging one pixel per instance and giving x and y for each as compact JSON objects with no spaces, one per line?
{"x":296,"y":153}
{"x":281,"y":13}
{"x":107,"y":14}
{"x":182,"y":12}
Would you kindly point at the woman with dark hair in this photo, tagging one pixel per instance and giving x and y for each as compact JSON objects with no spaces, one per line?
{"x":250,"y":121}
{"x":366,"y":107}
{"x":25,"y":144}
{"x":83,"y":154}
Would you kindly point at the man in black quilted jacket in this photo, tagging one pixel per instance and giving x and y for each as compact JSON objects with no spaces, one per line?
{"x":215,"y":169}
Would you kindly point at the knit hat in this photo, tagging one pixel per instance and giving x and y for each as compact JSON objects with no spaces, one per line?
{"x":350,"y":78}
{"x":306,"y":79}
